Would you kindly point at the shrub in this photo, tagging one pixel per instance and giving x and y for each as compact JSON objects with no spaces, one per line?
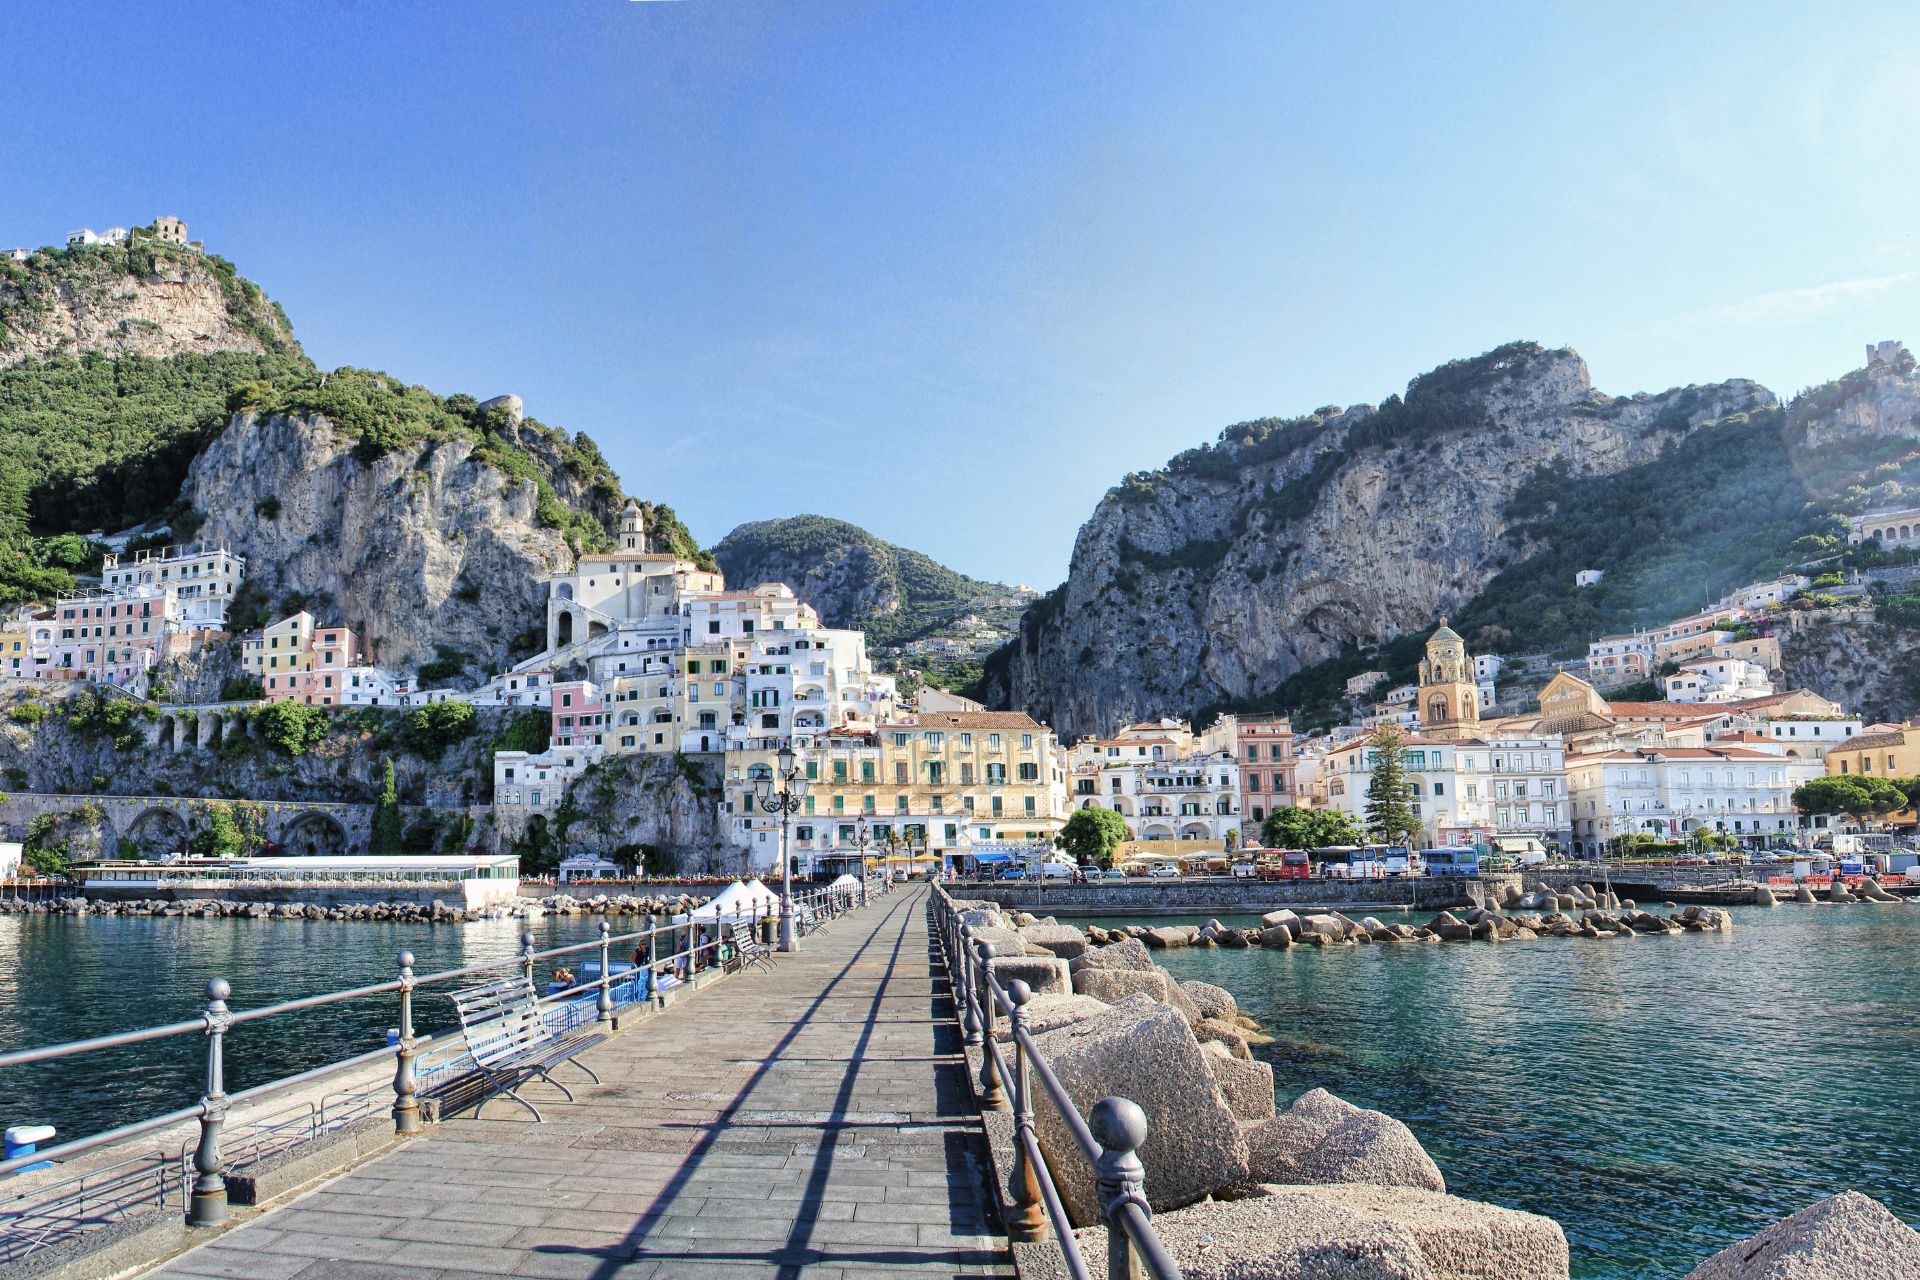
{"x":27,"y":713}
{"x":293,"y":727}
{"x":438,"y":725}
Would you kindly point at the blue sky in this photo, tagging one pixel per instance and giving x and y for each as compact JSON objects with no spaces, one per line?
{"x":949,"y":271}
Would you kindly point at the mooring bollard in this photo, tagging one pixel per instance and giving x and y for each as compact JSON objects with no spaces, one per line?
{"x":526,"y":956}
{"x":208,"y":1205}
{"x":605,"y":1003}
{"x":1119,"y":1126}
{"x":1030,"y":1219}
{"x":406,"y":1105}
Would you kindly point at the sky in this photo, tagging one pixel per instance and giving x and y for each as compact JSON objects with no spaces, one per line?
{"x":950,"y":271}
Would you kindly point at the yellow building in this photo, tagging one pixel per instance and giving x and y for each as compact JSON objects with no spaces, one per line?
{"x":15,"y":657}
{"x":281,"y":651}
{"x":1882,"y":751}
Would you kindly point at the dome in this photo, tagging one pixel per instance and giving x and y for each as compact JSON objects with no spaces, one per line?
{"x":1446,"y":633}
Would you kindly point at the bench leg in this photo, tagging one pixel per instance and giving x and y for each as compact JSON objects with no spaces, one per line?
{"x":503,"y":1089}
{"x":544,"y":1074}
{"x":591,"y":1074}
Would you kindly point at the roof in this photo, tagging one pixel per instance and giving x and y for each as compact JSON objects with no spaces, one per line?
{"x":976,"y":720}
{"x":1656,"y":710}
{"x":1870,"y":741}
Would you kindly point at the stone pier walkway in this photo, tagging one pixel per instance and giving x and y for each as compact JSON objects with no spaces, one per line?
{"x":814,"y":1121}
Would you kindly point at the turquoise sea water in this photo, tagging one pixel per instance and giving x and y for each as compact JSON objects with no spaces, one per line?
{"x":65,"y":979}
{"x":1660,"y":1097}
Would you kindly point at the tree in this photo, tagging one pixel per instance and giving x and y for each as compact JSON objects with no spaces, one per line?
{"x":294,"y":727}
{"x":1091,"y":835}
{"x":1294,"y":828}
{"x":1389,"y":798}
{"x":385,"y":837}
{"x":220,"y":838}
{"x":438,"y":725}
{"x":1858,"y":796}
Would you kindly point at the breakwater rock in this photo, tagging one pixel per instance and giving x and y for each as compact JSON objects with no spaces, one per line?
{"x":1282,"y":929}
{"x":422,"y":912}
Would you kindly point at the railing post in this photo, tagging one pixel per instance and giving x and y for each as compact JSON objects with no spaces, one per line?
{"x":208,"y":1206}
{"x":1119,"y":1126}
{"x":605,"y":1003}
{"x":653,"y":959}
{"x":991,"y":1094}
{"x":406,"y":1106}
{"x":969,"y":1019}
{"x":526,"y":956}
{"x":1029,"y":1219}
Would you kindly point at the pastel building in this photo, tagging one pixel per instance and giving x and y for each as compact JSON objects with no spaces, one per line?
{"x":203,"y":575}
{"x":1667,"y":792}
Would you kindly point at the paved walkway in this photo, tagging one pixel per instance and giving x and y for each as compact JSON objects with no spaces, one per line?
{"x":814,"y":1121}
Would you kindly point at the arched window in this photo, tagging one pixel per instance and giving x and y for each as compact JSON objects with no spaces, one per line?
{"x":1437,"y":707}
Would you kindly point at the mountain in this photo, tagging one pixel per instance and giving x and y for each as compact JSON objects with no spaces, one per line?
{"x":913,"y":608}
{"x":1263,"y":569}
{"x":148,"y":384}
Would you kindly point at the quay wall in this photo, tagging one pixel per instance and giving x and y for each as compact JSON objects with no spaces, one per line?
{"x":315,"y":894}
{"x":1224,"y":895}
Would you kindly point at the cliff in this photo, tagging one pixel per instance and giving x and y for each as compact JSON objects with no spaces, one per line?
{"x":1288,"y":542}
{"x":142,"y":298}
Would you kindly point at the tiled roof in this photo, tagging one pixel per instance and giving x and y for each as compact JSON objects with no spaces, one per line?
{"x":976,"y":720}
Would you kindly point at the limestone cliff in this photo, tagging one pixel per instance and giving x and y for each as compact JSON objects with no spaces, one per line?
{"x":421,"y":550}
{"x":141,"y":298}
{"x":1867,"y":667}
{"x":1288,"y":541}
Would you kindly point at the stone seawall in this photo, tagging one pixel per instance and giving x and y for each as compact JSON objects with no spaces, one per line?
{"x":1222,"y":896}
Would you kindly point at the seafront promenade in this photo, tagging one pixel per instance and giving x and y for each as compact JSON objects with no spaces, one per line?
{"x":813,"y":1121}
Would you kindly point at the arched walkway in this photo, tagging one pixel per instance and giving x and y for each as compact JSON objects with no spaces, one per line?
{"x":158,"y":831}
{"x":314,"y":835}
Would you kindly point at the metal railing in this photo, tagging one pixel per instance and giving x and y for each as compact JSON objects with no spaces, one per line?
{"x":1109,"y":1137}
{"x":675,"y":952}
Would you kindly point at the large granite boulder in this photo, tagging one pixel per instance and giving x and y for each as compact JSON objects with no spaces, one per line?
{"x":1115,"y":985}
{"x":1051,"y":1012}
{"x":1228,"y":1034}
{"x":1844,"y":1237}
{"x":1274,"y":919}
{"x":1211,"y":1001}
{"x":1352,"y":1233}
{"x":1171,"y":936}
{"x":1062,"y":940}
{"x":1324,"y":1139}
{"x":1246,"y":1085}
{"x":1046,"y":975}
{"x":1126,"y":953}
{"x":1278,"y":936}
{"x":999,"y":942}
{"x":1144,"y":1051}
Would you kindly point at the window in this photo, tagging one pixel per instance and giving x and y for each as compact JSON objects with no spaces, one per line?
{"x":993,"y":806}
{"x":1029,"y":771}
{"x":839,"y":770}
{"x":1029,"y":806}
{"x":899,"y":770}
{"x":866,"y":771}
{"x":1275,"y":752}
{"x":713,"y":628}
{"x":1439,"y":788}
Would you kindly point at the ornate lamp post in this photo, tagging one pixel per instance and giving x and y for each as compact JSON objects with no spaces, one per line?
{"x":782,"y":794}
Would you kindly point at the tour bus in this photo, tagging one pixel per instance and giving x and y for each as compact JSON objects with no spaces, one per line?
{"x":1358,"y":861}
{"x":1284,"y":864}
{"x":1405,"y":862}
{"x":1460,"y":860}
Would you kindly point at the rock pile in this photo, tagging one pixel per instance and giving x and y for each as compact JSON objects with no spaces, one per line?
{"x":1282,"y":929}
{"x":1844,"y":1237}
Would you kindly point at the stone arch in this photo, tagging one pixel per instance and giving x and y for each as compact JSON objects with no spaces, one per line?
{"x":1437,"y":708}
{"x":423,"y":835}
{"x":563,"y":629}
{"x":596,"y":629}
{"x":1156,"y":831}
{"x":158,"y":830}
{"x":1194,"y":831}
{"x":314,"y":833}
{"x":565,"y":591}
{"x":213,"y":730}
{"x":167,"y":733}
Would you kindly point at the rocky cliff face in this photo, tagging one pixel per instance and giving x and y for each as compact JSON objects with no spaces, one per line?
{"x":1244,"y":561}
{"x":665,"y":807}
{"x":1866,"y":667}
{"x":143,"y":298}
{"x":422,"y":549}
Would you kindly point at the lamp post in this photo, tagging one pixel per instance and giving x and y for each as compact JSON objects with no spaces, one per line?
{"x":782,"y":794}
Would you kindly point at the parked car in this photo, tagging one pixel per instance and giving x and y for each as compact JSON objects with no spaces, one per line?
{"x":1244,"y":870}
{"x":1112,"y":873}
{"x":1014,"y":873}
{"x":1165,"y":871}
{"x":1057,"y":871}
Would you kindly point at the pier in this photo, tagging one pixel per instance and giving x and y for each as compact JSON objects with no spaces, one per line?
{"x":814,"y":1120}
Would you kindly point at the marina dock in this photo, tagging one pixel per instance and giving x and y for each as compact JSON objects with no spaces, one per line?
{"x":812,"y":1121}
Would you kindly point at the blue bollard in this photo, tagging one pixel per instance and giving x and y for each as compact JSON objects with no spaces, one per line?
{"x":24,"y":1140}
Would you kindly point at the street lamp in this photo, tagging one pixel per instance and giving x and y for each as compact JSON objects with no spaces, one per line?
{"x":784,"y":799}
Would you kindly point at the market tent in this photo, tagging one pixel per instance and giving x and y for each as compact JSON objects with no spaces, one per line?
{"x":846,"y":882}
{"x":736,"y":900}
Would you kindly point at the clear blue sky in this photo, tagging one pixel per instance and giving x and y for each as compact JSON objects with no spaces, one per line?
{"x":950,"y":270}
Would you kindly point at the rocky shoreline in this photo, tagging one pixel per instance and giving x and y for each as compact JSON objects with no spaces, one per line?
{"x":1241,"y":1189}
{"x":622,"y":904}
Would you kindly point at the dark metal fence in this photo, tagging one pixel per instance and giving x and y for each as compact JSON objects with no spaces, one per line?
{"x":1109,"y":1137}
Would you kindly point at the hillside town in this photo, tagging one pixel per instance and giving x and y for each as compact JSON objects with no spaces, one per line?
{"x":650,"y":653}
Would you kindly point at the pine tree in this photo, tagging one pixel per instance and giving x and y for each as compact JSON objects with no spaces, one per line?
{"x":385,"y":839}
{"x":1389,"y":799}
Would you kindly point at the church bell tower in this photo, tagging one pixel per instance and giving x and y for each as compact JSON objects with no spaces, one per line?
{"x":1449,"y":701}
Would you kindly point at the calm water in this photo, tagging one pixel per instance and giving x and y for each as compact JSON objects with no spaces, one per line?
{"x":66,"y":979}
{"x":1660,"y":1097}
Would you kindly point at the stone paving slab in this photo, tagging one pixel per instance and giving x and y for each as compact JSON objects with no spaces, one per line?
{"x":813,"y":1121}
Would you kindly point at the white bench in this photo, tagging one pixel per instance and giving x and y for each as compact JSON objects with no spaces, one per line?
{"x":510,"y":1042}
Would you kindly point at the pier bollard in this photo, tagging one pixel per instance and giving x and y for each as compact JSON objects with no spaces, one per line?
{"x":526,"y":956}
{"x":208,"y":1205}
{"x":992,"y":1096}
{"x":406,"y":1103}
{"x":1029,"y":1221}
{"x":604,"y":1005}
{"x":1119,"y":1126}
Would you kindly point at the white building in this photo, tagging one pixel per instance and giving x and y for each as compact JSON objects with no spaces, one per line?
{"x":204,"y":575}
{"x":1473,"y":790}
{"x":1165,"y":797}
{"x":607,"y":591}
{"x":1717,"y":680}
{"x":1588,"y":577}
{"x":1667,"y":792}
{"x":1899,"y":527}
{"x":87,"y":235}
{"x":19,"y":255}
{"x":1758,"y":595}
{"x":527,"y":783}
{"x":1620,"y":658}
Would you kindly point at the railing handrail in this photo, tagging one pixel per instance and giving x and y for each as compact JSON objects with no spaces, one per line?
{"x":1118,"y":1172}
